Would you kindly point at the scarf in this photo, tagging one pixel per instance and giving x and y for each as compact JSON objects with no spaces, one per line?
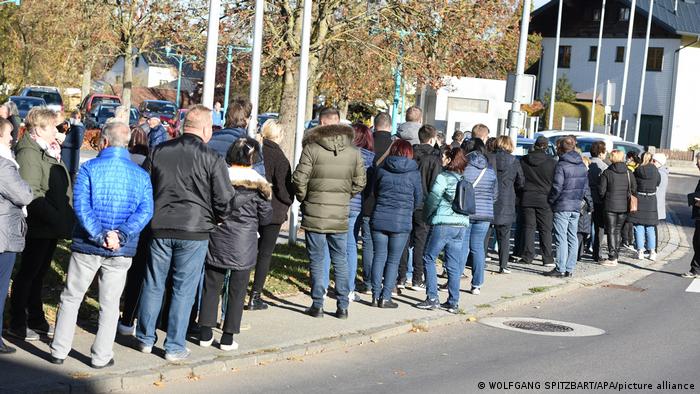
{"x":52,"y":149}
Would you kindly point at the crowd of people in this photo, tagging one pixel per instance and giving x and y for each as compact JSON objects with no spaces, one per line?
{"x":173,"y":228}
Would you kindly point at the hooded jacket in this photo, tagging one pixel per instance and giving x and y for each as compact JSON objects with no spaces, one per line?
{"x":409,"y":132}
{"x":398,"y":192}
{"x":330,"y":172}
{"x":221,"y":141}
{"x":438,"y":204}
{"x":648,"y":179}
{"x":234,"y":243}
{"x":570,"y":184}
{"x":616,"y":184}
{"x":382,"y":142}
{"x":538,"y":172}
{"x":486,"y":191}
{"x":278,"y":172}
{"x":510,"y":179}
{"x":595,"y":170}
{"x":15,"y":193}
{"x":429,"y":164}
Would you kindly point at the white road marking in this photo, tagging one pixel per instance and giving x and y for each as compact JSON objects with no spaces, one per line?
{"x":694,"y":286}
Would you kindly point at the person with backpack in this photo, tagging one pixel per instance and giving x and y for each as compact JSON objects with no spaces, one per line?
{"x":446,"y":208}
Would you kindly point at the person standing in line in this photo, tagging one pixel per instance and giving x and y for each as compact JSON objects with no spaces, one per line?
{"x":113,"y":202}
{"x":449,"y":231}
{"x":15,"y":195}
{"x":510,"y":179}
{"x":10,"y":112}
{"x":398,"y":191}
{"x":238,"y":116}
{"x":217,"y":117}
{"x":408,"y":131}
{"x":569,"y":190}
{"x":646,"y":217}
{"x":192,"y":194}
{"x":660,"y":163}
{"x":233,"y":246}
{"x":156,"y":133}
{"x":585,"y":218}
{"x":617,"y":184}
{"x":457,"y":139}
{"x":330,"y":172}
{"x":70,"y":148}
{"x":50,"y":218}
{"x":694,"y":198}
{"x":595,"y":170}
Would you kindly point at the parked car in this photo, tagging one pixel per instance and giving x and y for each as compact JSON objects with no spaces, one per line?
{"x":524,"y":146}
{"x":50,"y":94}
{"x":163,"y":109}
{"x":24,"y":104}
{"x":134,"y":116}
{"x":100,"y":114}
{"x":584,"y":138}
{"x":626,"y":146}
{"x":93,"y":100}
{"x":264,"y":117}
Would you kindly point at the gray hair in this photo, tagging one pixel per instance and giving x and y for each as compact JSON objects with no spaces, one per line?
{"x":116,"y":133}
{"x":12,"y":108}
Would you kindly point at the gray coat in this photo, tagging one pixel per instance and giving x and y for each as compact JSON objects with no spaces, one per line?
{"x":14,"y":194}
{"x":661,"y":193}
{"x":409,"y":132}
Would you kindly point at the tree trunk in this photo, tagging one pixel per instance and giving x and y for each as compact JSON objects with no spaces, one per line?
{"x":343,"y":105}
{"x":87,"y":78}
{"x":127,"y":80}
{"x":288,"y":107}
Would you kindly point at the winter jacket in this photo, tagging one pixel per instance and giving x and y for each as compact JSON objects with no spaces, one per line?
{"x":661,"y":193}
{"x":429,"y":164}
{"x":15,"y":193}
{"x":510,"y":179}
{"x":70,"y":149}
{"x":437,"y":207}
{"x":157,"y":136}
{"x":398,"y":192}
{"x":330,"y":172}
{"x":222,"y":140}
{"x":486,"y":191}
{"x":382,"y":142}
{"x":357,"y":200}
{"x":50,"y":213}
{"x":595,"y":170}
{"x":538,"y":172}
{"x":696,"y":210}
{"x":616,"y":184}
{"x":585,"y":220}
{"x":111,"y":193}
{"x":409,"y":132}
{"x":234,"y":244}
{"x":648,"y":179}
{"x":278,"y":172}
{"x":570,"y":184}
{"x":191,"y":189}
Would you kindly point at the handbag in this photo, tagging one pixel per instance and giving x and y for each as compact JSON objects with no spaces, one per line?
{"x":632,"y":201}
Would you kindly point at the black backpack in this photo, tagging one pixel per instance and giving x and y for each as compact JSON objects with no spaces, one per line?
{"x":464,"y":202}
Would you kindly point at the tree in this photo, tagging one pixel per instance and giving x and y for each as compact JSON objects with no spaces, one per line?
{"x":565,"y":92}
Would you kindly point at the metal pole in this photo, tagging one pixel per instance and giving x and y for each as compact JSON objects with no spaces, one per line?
{"x":625,"y":74}
{"x":644,"y":73}
{"x":180,"y":60}
{"x":397,"y":92}
{"x":555,"y":67}
{"x":212,"y":45}
{"x":597,"y":67}
{"x":520,"y":65}
{"x":301,"y":106}
{"x":229,"y":60}
{"x":255,"y":68}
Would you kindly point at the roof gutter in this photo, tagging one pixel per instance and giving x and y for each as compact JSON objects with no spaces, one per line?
{"x":671,"y":107}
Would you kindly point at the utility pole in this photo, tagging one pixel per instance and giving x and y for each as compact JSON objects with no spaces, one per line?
{"x":644,"y":74}
{"x":227,"y":92}
{"x":625,"y":74}
{"x":555,"y":68}
{"x":597,"y":67}
{"x":212,"y":46}
{"x":513,"y":127}
{"x":255,"y":68}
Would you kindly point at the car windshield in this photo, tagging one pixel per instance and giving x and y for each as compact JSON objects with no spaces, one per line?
{"x":27,"y":104}
{"x":104,"y":100}
{"x":51,"y":98}
{"x":584,"y":145}
{"x":106,"y":112}
{"x":626,"y":148}
{"x":164,"y":108}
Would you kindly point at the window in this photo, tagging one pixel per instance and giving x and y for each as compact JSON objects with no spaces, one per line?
{"x":655,"y":60}
{"x":619,"y":54}
{"x":467,"y":105}
{"x":593,"y":53}
{"x":624,"y":14}
{"x":564,"y":56}
{"x":596,"y":15}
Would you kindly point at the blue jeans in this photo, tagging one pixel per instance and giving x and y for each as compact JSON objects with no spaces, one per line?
{"x":318,"y":245}
{"x":185,"y":258}
{"x":566,"y":240}
{"x":388,"y":248}
{"x":454,"y":240}
{"x":352,"y":249}
{"x":475,"y":245}
{"x":642,"y":233}
{"x":367,"y":251}
{"x":7,"y":261}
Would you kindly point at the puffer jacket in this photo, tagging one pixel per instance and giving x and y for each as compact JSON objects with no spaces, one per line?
{"x":538,"y":171}
{"x":648,"y":179}
{"x":429,"y":164}
{"x":111,"y":193}
{"x":438,"y":204}
{"x":398,"y":192}
{"x":234,"y":244}
{"x":50,"y":215}
{"x":15,"y":193}
{"x":570,"y":184}
{"x":222,"y":140}
{"x":278,"y":172}
{"x":486,"y":191}
{"x":157,"y":136}
{"x":510,"y":179}
{"x":595,"y":170}
{"x":358,"y":199}
{"x":616,"y":184}
{"x":330,"y":172}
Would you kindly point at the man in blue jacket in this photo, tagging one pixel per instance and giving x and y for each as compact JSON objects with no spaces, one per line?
{"x":113,"y":202}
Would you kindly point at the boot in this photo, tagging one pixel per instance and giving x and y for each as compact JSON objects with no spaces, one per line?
{"x":255,"y":302}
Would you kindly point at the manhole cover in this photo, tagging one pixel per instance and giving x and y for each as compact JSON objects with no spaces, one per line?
{"x":530,"y":325}
{"x":536,"y":326}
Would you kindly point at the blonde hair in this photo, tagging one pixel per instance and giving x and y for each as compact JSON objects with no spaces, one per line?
{"x":586,"y":161}
{"x":646,"y":158}
{"x":198,"y":116}
{"x":271,"y":130}
{"x":39,"y":118}
{"x":503,"y":142}
{"x":617,"y":156}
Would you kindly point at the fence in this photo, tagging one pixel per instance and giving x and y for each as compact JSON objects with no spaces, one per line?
{"x":683,"y":155}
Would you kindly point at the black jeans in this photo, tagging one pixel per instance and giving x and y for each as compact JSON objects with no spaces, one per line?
{"x":134,"y":279}
{"x":27,"y":310}
{"x":266,"y":245}
{"x":582,"y":241}
{"x":237,"y":286}
{"x":627,"y":233}
{"x":503,"y":238}
{"x":695,"y":263}
{"x":542,"y":220}
{"x":613,"y":226}
{"x":599,"y":225}
{"x":419,"y":236}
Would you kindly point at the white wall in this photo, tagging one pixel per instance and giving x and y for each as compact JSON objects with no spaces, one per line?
{"x":144,"y":75}
{"x":684,"y":123}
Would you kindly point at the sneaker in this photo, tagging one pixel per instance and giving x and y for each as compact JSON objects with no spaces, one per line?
{"x":26,"y":334}
{"x":227,"y":343}
{"x":505,"y":271}
{"x":568,"y":274}
{"x":628,"y":246}
{"x":640,"y":255}
{"x":175,"y":357}
{"x":143,"y":348}
{"x":206,"y":336}
{"x":449,"y":307}
{"x":690,"y":275}
{"x":428,"y":304}
{"x":125,"y":330}
{"x":353,"y":297}
{"x":401,"y":284}
{"x":475,"y":291}
{"x":609,"y":263}
{"x":419,"y":286}
{"x":396,"y":292}
{"x":364,"y":288}
{"x":652,"y":256}
{"x":46,"y":330}
{"x":554,"y":273}
{"x":442,"y":287}
{"x":549,"y":265}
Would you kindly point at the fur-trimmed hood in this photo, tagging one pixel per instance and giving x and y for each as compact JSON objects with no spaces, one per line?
{"x":248,"y":178}
{"x":332,"y":137}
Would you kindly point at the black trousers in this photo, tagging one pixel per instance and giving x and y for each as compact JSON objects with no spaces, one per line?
{"x":266,"y":245}
{"x":542,"y":220}
{"x":627,"y":233}
{"x":26,"y":307}
{"x":503,"y":238}
{"x":599,"y":224}
{"x":613,"y":226}
{"x":134,"y":279}
{"x":695,"y":263}
{"x":419,"y":236}
{"x":213,"y":283}
{"x":582,"y":241}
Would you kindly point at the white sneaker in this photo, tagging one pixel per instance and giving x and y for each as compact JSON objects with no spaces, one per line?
{"x":476,"y":291}
{"x":609,"y":263}
{"x":652,"y":256}
{"x":351,"y":296}
{"x":228,"y":348}
{"x":640,"y":255}
{"x":126,"y":330}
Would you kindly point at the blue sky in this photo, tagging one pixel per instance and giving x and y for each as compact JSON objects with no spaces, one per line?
{"x":538,"y":3}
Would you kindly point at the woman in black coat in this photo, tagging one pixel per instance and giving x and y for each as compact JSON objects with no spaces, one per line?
{"x":617,"y":183}
{"x":647,"y":217}
{"x":233,"y":245}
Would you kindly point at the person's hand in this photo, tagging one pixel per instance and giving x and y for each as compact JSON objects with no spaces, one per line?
{"x":112,"y":241}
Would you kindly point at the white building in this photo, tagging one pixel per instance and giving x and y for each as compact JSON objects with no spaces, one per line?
{"x":153,"y":70}
{"x":672,"y":85}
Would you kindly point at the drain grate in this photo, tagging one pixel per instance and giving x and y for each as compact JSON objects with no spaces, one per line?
{"x":539,"y":326}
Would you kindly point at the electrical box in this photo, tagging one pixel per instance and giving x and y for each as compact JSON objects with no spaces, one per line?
{"x":526,"y":94}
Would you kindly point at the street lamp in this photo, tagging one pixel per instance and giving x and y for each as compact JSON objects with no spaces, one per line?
{"x":229,"y":60}
{"x":180,"y":60}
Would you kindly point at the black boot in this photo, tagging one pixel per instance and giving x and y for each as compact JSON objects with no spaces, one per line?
{"x":255,"y":302}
